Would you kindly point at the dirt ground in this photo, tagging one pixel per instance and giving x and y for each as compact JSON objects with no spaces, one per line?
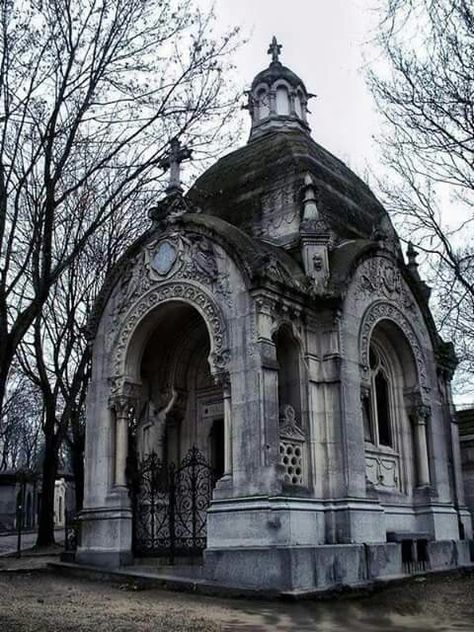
{"x":38,"y":600}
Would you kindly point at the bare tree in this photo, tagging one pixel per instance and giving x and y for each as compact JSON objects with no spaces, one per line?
{"x":90,"y":93}
{"x":55,"y":355}
{"x":20,"y":425}
{"x":426,"y":94}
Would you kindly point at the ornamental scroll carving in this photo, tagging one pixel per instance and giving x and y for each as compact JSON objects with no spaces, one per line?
{"x":186,"y":292}
{"x":381,"y":277}
{"x":381,"y":311}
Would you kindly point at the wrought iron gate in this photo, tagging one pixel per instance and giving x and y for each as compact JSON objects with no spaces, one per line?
{"x":170,"y":506}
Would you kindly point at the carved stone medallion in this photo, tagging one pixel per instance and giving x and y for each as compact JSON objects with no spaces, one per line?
{"x":164,"y":258}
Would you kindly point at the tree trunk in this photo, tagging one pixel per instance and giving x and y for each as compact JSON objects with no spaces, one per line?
{"x":5,"y":364}
{"x":77,"y":459}
{"x":50,"y":470}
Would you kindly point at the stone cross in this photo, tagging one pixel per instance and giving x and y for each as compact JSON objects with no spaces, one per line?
{"x":173,"y":160}
{"x":274,"y":50}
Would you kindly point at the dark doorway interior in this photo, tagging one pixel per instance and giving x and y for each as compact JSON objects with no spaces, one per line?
{"x":216,"y":440}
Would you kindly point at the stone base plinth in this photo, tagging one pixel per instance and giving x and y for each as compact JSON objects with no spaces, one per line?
{"x":105,"y":537}
{"x":306,"y":569}
{"x":264,"y":521}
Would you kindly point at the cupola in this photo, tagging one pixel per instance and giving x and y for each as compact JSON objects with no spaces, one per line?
{"x":277,"y":99}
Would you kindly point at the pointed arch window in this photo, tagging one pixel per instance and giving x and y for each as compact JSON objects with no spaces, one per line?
{"x":377,"y":409}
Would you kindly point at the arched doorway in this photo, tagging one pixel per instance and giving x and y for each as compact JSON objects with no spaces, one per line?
{"x":177,"y":442}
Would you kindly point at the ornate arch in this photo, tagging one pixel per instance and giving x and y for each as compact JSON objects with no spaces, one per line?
{"x":178,"y":291}
{"x":377,"y":312}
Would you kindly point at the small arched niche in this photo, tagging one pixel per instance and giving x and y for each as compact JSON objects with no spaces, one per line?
{"x":292,"y":438}
{"x":289,"y":379}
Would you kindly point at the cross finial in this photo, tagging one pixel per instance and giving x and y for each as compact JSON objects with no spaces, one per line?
{"x":172,"y":161}
{"x":274,"y":50}
{"x":412,"y":254}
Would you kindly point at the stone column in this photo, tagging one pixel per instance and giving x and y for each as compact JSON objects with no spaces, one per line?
{"x":293,"y":97}
{"x":420,"y":418}
{"x":272,"y":102}
{"x":227,"y":429}
{"x":121,"y":406}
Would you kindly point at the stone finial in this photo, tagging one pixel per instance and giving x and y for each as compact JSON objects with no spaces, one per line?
{"x":274,"y":50}
{"x":412,"y":254}
{"x":172,"y":161}
{"x":310,"y":209}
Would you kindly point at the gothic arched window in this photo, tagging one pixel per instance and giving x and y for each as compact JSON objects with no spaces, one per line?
{"x":378,"y":422}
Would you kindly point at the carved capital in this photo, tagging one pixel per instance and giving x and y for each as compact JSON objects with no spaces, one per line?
{"x":122,"y":406}
{"x":421,"y":414}
{"x":222,"y":380}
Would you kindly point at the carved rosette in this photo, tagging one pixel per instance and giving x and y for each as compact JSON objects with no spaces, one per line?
{"x":386,"y":311}
{"x":196,"y":297}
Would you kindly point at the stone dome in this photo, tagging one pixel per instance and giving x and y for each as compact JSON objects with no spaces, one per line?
{"x":262,"y":181}
{"x":275,"y":72}
{"x":260,"y":187}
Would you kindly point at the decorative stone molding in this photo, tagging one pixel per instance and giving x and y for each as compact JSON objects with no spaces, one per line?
{"x":193,"y":257}
{"x":380,"y":276}
{"x":123,"y":389}
{"x":188,"y":293}
{"x":386,"y":311}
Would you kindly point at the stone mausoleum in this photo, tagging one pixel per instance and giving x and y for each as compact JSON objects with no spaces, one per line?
{"x":270,"y":397}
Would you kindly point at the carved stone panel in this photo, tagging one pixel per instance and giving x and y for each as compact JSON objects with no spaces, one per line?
{"x":382,"y":470}
{"x":380,"y":277}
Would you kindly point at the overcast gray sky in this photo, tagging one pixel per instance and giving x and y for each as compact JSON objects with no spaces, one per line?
{"x":329,"y":44}
{"x":324,"y":42}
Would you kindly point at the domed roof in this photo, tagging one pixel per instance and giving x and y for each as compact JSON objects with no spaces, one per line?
{"x":235,"y":186}
{"x":274,"y":72}
{"x":260,"y":187}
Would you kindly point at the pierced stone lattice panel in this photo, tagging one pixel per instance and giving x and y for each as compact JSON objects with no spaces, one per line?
{"x":291,"y":458}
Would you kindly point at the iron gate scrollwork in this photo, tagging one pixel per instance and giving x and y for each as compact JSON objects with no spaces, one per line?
{"x":170,"y":505}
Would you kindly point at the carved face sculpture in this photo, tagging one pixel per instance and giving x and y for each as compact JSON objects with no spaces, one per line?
{"x":317,"y":262}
